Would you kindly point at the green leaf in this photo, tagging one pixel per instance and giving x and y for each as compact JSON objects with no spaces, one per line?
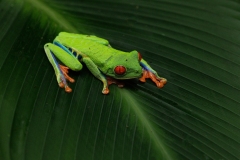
{"x":193,"y":43}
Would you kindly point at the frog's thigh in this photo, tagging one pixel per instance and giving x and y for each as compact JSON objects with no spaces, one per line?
{"x":69,"y":60}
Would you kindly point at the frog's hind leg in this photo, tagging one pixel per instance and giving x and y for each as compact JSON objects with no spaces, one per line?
{"x":65,"y":56}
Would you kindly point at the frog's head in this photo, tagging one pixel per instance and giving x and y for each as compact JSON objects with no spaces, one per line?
{"x":125,"y":65}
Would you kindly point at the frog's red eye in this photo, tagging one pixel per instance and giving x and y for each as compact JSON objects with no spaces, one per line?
{"x":139,"y":56}
{"x":120,"y":70}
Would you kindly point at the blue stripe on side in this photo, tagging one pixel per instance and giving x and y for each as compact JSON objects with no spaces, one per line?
{"x":56,"y":62}
{"x":67,"y":50}
{"x":144,"y":66}
{"x":63,"y":47}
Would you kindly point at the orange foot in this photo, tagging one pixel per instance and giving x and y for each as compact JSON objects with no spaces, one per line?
{"x":160,"y":82}
{"x":114,"y":81}
{"x":63,"y":84}
{"x":105,"y":91}
{"x":109,"y":82}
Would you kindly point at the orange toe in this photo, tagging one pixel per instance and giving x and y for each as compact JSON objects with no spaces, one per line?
{"x":164,"y":81}
{"x":105,"y":91}
{"x":68,"y":89}
{"x":160,"y":85}
{"x":142,"y":79}
{"x":69,"y":78}
{"x":61,"y":85}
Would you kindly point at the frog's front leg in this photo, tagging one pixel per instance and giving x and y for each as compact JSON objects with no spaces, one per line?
{"x":96,"y":72}
{"x":148,"y":72}
{"x":65,"y":56}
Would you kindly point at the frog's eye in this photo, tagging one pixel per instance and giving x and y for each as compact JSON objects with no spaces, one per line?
{"x":139,"y":56}
{"x":120,"y":70}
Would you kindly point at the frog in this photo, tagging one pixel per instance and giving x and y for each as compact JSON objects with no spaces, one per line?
{"x":107,"y":64}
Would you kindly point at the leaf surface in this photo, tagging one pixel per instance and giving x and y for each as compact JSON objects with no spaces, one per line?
{"x":194,"y":44}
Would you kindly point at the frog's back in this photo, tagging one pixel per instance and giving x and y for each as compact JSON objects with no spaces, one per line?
{"x":94,"y":47}
{"x":68,"y":36}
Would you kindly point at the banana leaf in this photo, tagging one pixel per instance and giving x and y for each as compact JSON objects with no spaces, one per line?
{"x":192,"y":43}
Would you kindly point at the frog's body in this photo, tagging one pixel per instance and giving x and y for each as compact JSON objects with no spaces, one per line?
{"x":99,"y":57}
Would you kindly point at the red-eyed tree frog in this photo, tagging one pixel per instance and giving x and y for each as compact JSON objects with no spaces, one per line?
{"x":101,"y":59}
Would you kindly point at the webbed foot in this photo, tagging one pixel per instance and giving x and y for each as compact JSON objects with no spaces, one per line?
{"x":111,"y":80}
{"x":159,"y":81}
{"x":108,"y":82}
{"x":63,"y":83}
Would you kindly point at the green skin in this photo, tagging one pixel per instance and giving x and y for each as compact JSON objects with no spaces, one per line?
{"x":99,"y":57}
